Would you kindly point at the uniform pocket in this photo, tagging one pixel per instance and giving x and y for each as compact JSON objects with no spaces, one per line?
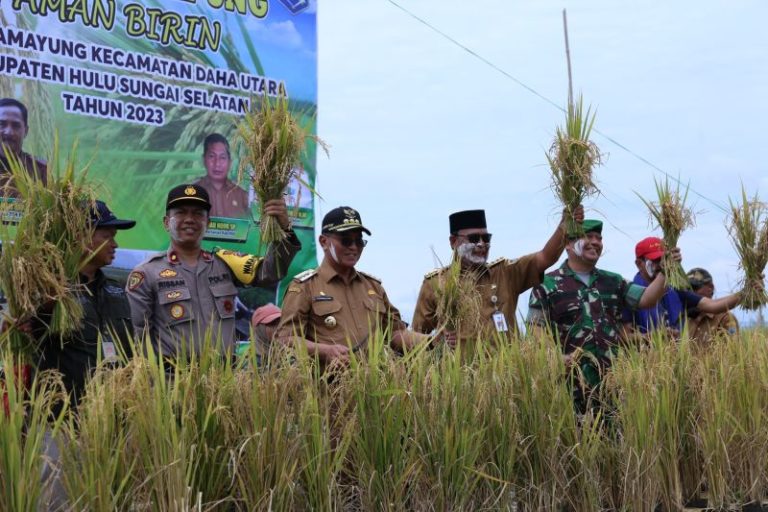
{"x":177,"y":306}
{"x":224,"y":295}
{"x":325,"y":307}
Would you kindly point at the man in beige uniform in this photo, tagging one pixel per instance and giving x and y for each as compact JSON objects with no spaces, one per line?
{"x":499,"y":282}
{"x":332,"y":309}
{"x":178,"y":295}
{"x":227,"y":198}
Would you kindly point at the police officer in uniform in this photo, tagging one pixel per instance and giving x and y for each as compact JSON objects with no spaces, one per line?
{"x":177,"y":296}
{"x":334,"y":308}
{"x":499,"y":282}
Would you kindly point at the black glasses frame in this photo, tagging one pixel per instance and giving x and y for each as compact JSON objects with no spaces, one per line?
{"x":475,"y":238}
{"x":348,"y":241}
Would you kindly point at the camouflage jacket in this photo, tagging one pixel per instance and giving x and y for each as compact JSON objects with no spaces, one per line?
{"x":586,"y":316}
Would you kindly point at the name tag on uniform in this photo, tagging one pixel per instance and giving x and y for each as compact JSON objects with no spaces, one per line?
{"x":500,"y":321}
{"x":321,"y":298}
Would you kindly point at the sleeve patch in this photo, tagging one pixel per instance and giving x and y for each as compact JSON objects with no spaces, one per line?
{"x":135,"y":279}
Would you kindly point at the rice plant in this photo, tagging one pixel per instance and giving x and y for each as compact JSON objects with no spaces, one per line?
{"x":458,"y":301}
{"x":272,"y":142}
{"x":748,"y":229}
{"x":572,"y":158}
{"x":670,"y":213}
{"x":44,"y":247}
{"x":26,"y":429}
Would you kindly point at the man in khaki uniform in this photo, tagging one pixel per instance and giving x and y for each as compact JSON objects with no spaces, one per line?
{"x":14,"y":128}
{"x":333,"y":308}
{"x":227,"y":198}
{"x":499,"y":282}
{"x":704,"y":327}
{"x":179,"y":295}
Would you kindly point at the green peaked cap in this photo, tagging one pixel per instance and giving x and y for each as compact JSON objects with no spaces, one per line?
{"x":592,"y":225}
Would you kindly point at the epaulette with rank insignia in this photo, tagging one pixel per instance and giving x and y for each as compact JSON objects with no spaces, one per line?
{"x":497,"y":261}
{"x":433,"y":273}
{"x":370,"y":276}
{"x":153,"y":257}
{"x":303,"y":276}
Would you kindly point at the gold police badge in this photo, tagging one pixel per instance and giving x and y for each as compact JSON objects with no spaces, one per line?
{"x":177,"y":311}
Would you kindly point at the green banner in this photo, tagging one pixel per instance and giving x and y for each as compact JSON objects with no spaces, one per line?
{"x":141,"y":86}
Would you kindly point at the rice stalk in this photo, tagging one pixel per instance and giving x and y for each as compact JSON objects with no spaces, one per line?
{"x":572,"y":158}
{"x":458,"y":301}
{"x":448,"y":441}
{"x":26,"y":423}
{"x":44,"y":246}
{"x":748,"y":229}
{"x":670,"y":213}
{"x":267,"y":459}
{"x":272,"y":143}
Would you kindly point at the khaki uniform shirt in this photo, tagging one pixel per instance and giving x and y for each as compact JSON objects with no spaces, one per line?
{"x":704,"y":327}
{"x":321,"y":307}
{"x":33,"y":166}
{"x":177,"y":304}
{"x":500,"y":282}
{"x":229,"y":201}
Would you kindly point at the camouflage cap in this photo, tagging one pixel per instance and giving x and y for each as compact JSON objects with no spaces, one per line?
{"x":698,"y":277}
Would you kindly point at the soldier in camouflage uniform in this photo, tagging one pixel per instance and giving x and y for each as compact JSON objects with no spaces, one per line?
{"x":582,"y":306}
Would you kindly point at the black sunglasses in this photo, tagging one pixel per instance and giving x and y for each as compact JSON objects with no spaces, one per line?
{"x":475,"y":238}
{"x":348,"y":241}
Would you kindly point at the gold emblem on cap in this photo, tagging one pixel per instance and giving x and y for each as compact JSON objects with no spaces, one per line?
{"x":330,"y":322}
{"x":190,"y":191}
{"x":349,"y":212}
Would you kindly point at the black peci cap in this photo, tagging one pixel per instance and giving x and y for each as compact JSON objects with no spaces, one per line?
{"x":467,"y":219}
{"x":188,"y":194}
{"x":102,"y":217}
{"x":342,"y":219}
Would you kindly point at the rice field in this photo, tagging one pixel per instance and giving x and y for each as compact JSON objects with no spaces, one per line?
{"x":431,"y":430}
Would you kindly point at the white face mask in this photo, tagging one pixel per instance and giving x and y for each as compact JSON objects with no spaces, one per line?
{"x":173,"y":229}
{"x":578,"y":247}
{"x":650,"y":267}
{"x":332,"y":252}
{"x":465,"y":253}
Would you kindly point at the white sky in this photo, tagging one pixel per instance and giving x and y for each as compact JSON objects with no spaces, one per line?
{"x":419,"y":128}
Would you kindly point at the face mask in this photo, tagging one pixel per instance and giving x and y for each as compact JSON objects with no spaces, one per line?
{"x":465,"y":253}
{"x":578,"y":247}
{"x":650,"y":267}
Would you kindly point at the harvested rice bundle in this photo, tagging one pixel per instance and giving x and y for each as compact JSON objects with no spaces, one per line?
{"x":572,"y":159}
{"x":273,"y":142}
{"x":670,"y":213}
{"x":458,"y":301}
{"x":44,"y":235}
{"x":748,"y":228}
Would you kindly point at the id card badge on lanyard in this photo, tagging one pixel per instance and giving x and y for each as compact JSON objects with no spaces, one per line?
{"x":500,"y":321}
{"x":108,"y":352}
